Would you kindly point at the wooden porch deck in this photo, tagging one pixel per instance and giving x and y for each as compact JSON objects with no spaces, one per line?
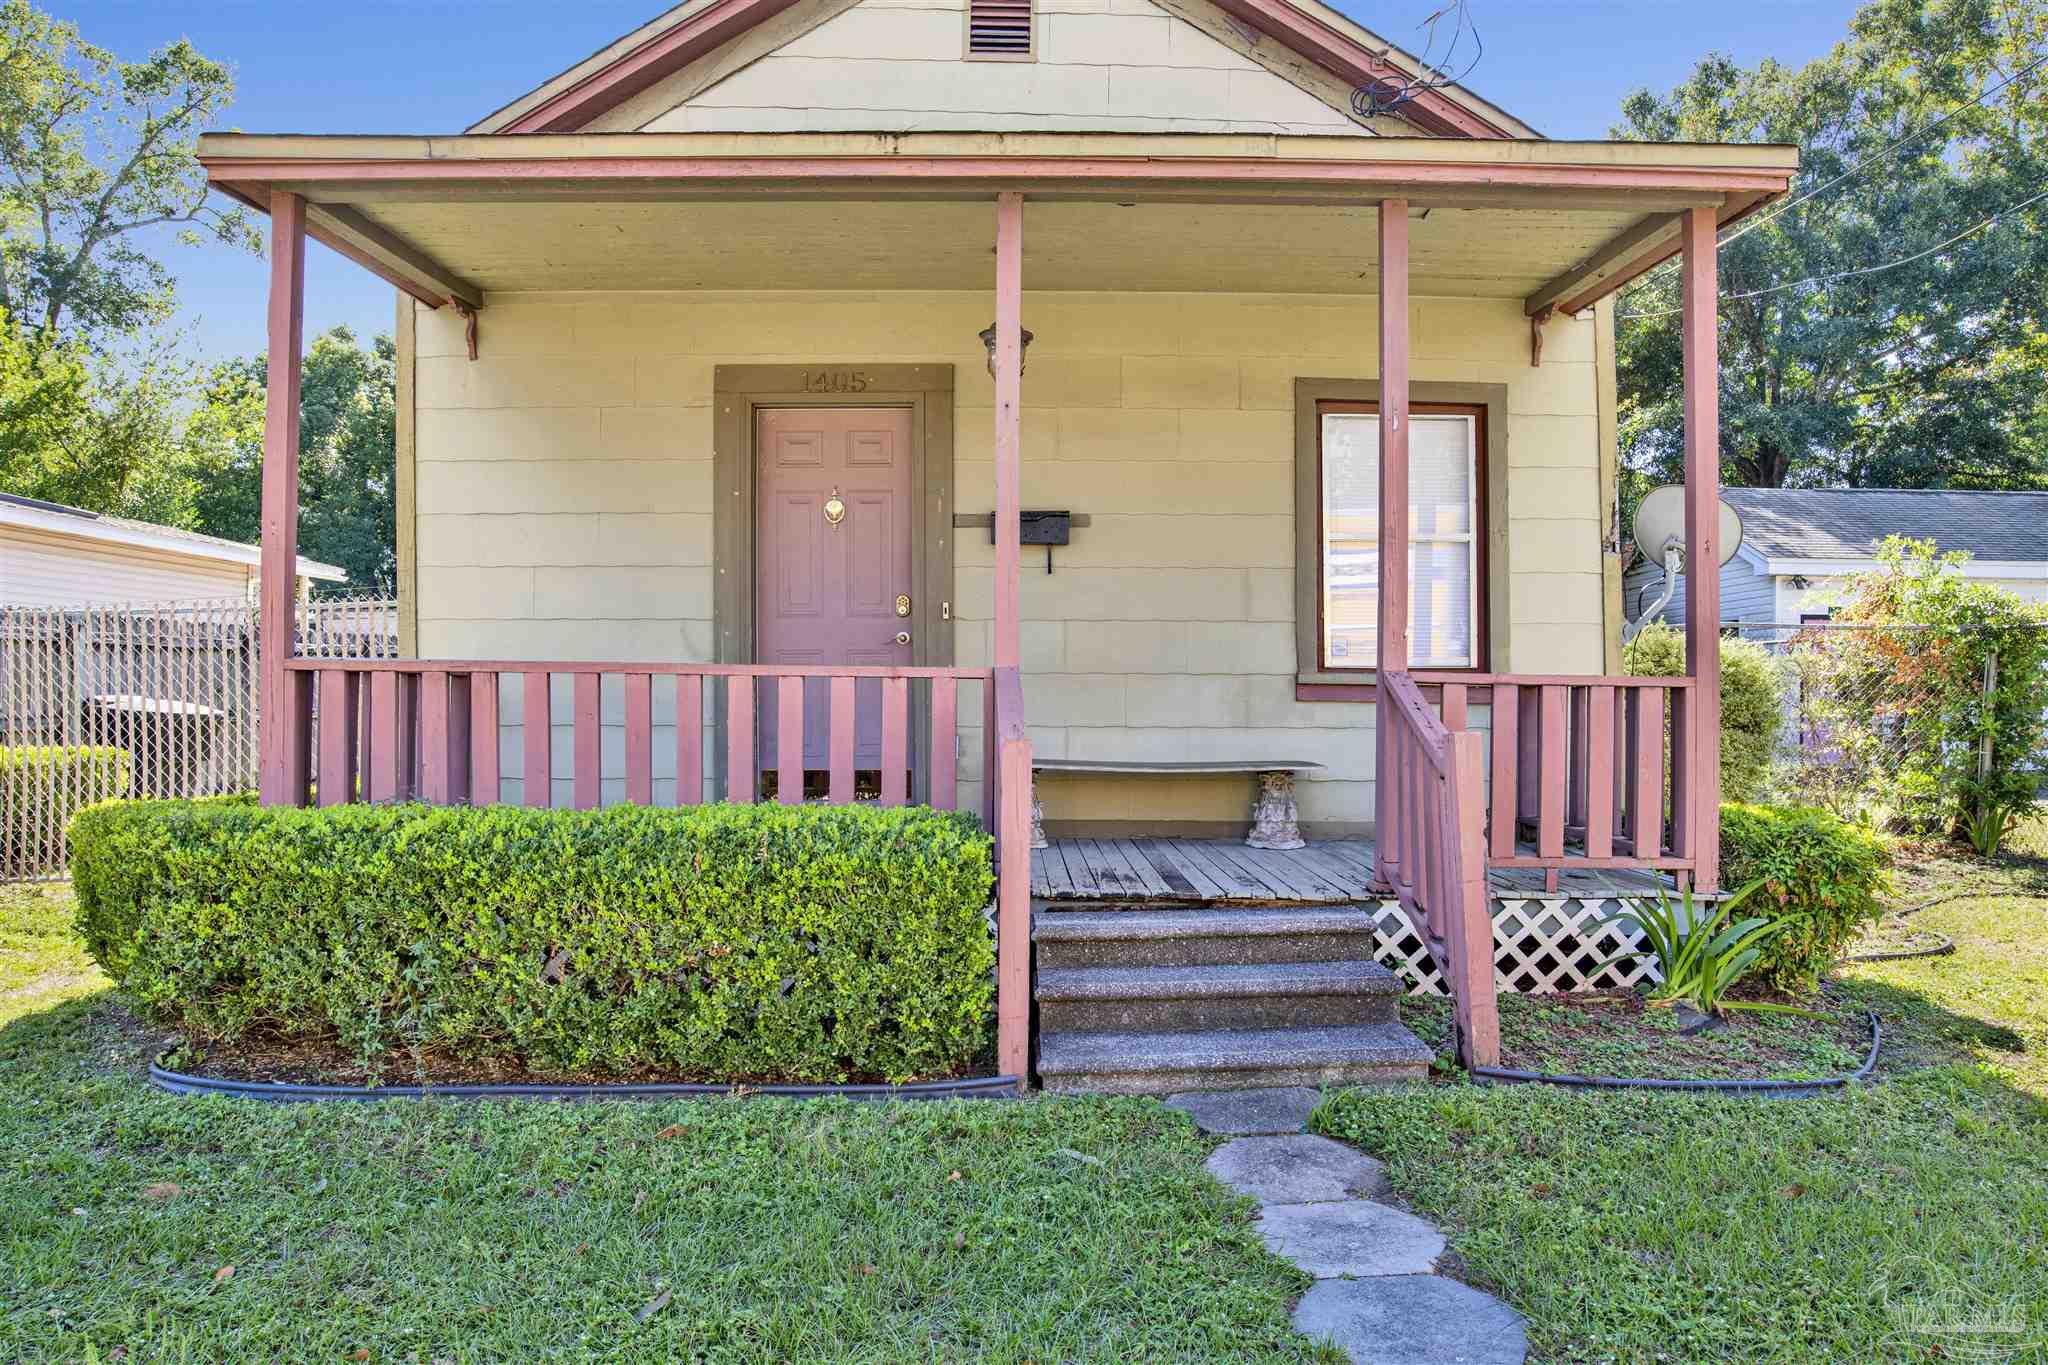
{"x":1202,"y":870}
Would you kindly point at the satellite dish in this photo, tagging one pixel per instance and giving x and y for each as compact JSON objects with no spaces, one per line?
{"x":1660,"y":535}
{"x":1660,"y":526}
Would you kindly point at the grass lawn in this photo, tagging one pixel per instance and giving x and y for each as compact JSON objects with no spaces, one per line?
{"x":1904,"y":1221}
{"x":1049,"y":1230}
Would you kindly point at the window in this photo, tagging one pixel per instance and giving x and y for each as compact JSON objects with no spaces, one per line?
{"x":1445,"y":545}
{"x":999,"y":29}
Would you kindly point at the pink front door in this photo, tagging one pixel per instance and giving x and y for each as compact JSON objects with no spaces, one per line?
{"x":832,"y":559}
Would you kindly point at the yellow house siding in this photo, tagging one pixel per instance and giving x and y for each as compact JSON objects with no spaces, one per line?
{"x":564,"y":492}
{"x":900,"y":65}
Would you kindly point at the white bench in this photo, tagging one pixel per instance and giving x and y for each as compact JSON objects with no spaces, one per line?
{"x":1276,"y":820}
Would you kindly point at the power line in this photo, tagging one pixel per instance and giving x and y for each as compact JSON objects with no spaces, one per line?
{"x":1881,"y":154}
{"x":1860,"y":270}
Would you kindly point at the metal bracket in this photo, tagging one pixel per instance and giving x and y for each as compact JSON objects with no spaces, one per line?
{"x":468,"y":316}
{"x":1536,"y":336}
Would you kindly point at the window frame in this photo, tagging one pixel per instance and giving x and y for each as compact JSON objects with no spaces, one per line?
{"x":1486,"y":405}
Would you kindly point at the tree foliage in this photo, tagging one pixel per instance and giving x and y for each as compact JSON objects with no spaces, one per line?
{"x":347,"y":455}
{"x":99,"y":152}
{"x":1895,"y":704}
{"x":1923,"y":375}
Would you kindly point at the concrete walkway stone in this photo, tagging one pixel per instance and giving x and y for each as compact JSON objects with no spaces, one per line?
{"x":1355,"y":1237}
{"x":1413,"y":1320}
{"x":1296,"y":1168}
{"x":1377,"y":1295}
{"x":1234,"y":1113}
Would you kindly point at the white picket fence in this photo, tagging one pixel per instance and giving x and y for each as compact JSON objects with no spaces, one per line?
{"x":173,"y":685}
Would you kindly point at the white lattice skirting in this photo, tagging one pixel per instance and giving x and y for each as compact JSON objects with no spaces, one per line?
{"x":1541,"y":945}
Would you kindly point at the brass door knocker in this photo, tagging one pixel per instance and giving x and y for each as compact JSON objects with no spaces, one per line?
{"x":835,"y":510}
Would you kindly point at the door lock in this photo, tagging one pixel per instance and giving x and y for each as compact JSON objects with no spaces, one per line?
{"x":903,"y":604}
{"x":902,"y":637}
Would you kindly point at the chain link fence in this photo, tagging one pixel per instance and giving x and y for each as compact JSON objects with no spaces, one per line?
{"x":1867,"y":715}
{"x":170,"y":688}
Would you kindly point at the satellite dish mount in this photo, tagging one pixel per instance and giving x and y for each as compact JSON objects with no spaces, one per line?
{"x":1660,"y":537}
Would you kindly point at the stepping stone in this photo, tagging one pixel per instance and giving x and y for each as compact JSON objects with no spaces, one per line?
{"x":1412,"y":1320}
{"x":1357,"y":1237}
{"x":1281,"y":1109}
{"x":1296,"y":1169}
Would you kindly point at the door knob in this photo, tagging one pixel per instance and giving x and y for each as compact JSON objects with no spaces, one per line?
{"x":902,"y":637}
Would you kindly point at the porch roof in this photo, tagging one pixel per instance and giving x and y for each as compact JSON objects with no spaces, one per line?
{"x":1555,"y":224}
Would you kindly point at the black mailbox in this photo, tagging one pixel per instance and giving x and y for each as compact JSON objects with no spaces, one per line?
{"x":1045,"y":528}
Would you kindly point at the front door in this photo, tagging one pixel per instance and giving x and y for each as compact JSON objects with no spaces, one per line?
{"x":832,"y":559}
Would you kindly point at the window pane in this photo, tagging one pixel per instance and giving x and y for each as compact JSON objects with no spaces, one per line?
{"x":1440,"y":476}
{"x":1440,"y":605}
{"x":1440,"y":572}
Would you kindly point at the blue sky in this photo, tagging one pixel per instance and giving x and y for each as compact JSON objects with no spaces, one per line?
{"x":433,"y":66}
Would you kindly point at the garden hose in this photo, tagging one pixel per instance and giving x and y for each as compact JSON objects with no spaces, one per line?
{"x":1766,"y":1089}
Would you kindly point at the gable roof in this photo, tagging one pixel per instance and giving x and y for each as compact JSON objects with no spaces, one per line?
{"x":695,"y":28}
{"x":56,"y":518}
{"x":1848,"y":524}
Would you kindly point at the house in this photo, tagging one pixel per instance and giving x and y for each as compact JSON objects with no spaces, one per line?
{"x":739,"y":361}
{"x":1800,"y":544}
{"x":57,"y":556}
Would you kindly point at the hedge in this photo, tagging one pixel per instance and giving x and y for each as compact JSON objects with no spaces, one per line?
{"x":1752,"y":700}
{"x":1821,"y":872}
{"x":41,"y":787}
{"x":763,"y":943}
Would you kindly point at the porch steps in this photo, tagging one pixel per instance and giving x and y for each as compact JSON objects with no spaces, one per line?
{"x":1153,"y":1002}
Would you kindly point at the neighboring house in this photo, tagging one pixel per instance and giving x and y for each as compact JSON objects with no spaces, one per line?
{"x":1800,"y":544}
{"x":718,"y":351}
{"x":57,"y":556}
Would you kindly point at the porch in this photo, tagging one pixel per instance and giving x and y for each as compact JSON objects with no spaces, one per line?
{"x":1167,"y":871}
{"x":1469,"y":775}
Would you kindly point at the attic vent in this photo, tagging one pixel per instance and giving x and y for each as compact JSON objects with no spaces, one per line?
{"x":999,"y":28}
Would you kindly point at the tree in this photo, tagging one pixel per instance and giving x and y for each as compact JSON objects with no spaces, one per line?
{"x":347,"y":455}
{"x":1920,"y":375}
{"x":80,"y":429}
{"x":96,"y":153}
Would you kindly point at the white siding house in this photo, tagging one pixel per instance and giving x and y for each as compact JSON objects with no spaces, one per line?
{"x":57,"y":556}
{"x":1799,"y":545}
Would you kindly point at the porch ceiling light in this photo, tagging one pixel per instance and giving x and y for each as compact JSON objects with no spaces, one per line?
{"x":988,"y":340}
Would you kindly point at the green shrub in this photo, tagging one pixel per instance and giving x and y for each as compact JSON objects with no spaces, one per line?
{"x":41,"y":787}
{"x":769,"y":943}
{"x":1752,"y":701}
{"x":1820,"y":873}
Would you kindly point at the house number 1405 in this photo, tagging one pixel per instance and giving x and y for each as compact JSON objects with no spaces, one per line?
{"x":835,"y":381}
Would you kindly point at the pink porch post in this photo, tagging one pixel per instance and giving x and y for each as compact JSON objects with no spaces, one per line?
{"x":1012,"y":748}
{"x":1393,"y":531}
{"x":283,"y":695}
{"x":1701,"y":322}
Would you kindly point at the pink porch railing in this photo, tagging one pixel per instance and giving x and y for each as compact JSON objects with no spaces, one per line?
{"x":429,"y":730}
{"x":1571,"y":772}
{"x":1585,"y":772}
{"x":1431,"y":851}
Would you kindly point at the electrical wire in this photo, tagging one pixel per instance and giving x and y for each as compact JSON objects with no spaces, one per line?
{"x":1860,"y":270}
{"x":1884,"y":153}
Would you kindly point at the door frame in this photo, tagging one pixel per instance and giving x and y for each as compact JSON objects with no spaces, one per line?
{"x":739,"y":392}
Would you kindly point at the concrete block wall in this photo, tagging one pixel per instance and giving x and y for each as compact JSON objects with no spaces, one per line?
{"x":564,"y":486}
{"x":1102,"y":65}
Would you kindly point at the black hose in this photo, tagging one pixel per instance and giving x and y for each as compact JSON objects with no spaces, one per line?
{"x":1772,"y":1089}
{"x":1941,"y":949}
{"x":288,"y":1092}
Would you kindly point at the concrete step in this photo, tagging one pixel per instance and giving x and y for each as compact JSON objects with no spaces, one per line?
{"x":1229,"y":1059}
{"x":1190,"y":999}
{"x":1207,"y":937}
